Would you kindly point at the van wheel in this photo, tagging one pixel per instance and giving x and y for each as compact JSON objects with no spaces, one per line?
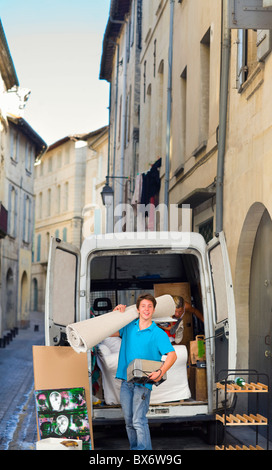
{"x":215,"y":433}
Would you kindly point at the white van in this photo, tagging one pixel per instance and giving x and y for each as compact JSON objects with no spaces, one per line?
{"x":116,"y":268}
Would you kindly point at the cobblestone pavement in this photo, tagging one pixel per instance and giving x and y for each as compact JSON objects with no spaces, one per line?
{"x":17,"y":412}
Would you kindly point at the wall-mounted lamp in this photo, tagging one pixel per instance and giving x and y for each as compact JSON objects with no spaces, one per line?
{"x":107,"y":194}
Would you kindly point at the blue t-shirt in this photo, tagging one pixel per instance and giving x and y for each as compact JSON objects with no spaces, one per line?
{"x":150,"y":343}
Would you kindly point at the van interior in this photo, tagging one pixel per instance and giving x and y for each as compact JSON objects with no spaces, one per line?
{"x":121,"y":278}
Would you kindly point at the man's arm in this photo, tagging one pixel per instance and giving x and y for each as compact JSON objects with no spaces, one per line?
{"x":194,"y":310}
{"x":121,"y":308}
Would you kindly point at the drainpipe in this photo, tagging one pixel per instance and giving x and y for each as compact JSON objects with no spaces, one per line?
{"x":109,"y":137}
{"x":169,"y":111}
{"x":115,"y":111}
{"x":123,"y":120}
{"x":224,"y":81}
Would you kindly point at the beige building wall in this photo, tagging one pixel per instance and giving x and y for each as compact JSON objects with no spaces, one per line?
{"x":120,"y":65}
{"x":57,"y":210}
{"x":154,"y":76}
{"x":20,"y":148}
{"x":194,"y":99}
{"x":68,"y":183}
{"x":248,"y":169}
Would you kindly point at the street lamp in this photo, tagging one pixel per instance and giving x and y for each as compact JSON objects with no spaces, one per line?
{"x":107,"y":194}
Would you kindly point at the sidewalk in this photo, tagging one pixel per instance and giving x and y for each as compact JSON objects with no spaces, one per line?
{"x":17,"y":412}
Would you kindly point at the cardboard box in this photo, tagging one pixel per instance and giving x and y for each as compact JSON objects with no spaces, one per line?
{"x":198,"y":383}
{"x":57,"y":367}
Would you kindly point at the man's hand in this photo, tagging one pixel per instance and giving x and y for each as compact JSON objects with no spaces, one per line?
{"x":156,"y":375}
{"x":120,"y":307}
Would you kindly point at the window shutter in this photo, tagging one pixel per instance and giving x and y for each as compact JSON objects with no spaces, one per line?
{"x":15,"y":213}
{"x":264,"y":43}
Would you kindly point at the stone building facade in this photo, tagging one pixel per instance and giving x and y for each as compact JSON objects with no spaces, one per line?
{"x":20,"y":148}
{"x":205,"y":110}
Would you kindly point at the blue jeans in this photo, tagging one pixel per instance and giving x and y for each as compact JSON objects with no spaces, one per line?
{"x":135,"y":403}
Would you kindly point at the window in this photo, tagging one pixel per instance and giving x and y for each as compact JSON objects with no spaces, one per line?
{"x":14,"y":143}
{"x":128,"y":115}
{"x":241,"y":58}
{"x":17,"y":145}
{"x":58,"y":199}
{"x":27,"y":219}
{"x":132,"y":22}
{"x":27,"y":157}
{"x":206,"y":230}
{"x":48,"y":202}
{"x":66,"y":196}
{"x":67,"y":156}
{"x":159,"y":105}
{"x":40,"y":205}
{"x":120,"y":119}
{"x":183,"y":114}
{"x":205,"y":87}
{"x":252,"y":47}
{"x":154,"y":57}
{"x":144,"y":80}
{"x":11,"y":143}
{"x":64,"y":234}
{"x":59,"y":158}
{"x":50,"y":165}
{"x":12,"y":210}
{"x":39,"y":239}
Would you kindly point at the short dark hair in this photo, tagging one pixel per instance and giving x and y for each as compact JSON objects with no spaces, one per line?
{"x":146,"y":297}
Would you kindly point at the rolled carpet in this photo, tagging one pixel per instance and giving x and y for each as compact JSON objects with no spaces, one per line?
{"x":84,"y":335}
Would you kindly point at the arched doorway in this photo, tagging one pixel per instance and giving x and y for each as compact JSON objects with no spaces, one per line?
{"x":260,"y":303}
{"x":35,"y":294}
{"x":24,"y":299}
{"x":242,"y":281}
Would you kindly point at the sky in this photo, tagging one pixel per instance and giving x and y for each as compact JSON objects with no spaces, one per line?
{"x":56,"y":47}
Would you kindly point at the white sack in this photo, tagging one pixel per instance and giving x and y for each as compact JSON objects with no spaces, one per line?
{"x":86,"y":334}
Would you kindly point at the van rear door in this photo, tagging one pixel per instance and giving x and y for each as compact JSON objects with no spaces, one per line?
{"x":62,"y":291}
{"x":224,"y":306}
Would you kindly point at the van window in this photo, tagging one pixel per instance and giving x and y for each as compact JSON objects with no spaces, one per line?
{"x":64,"y":288}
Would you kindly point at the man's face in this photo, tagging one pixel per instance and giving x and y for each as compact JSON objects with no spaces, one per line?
{"x":146,"y":309}
{"x":178,"y":312}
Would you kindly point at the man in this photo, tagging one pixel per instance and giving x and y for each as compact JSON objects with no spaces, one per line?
{"x":141,"y":339}
{"x":175,"y":329}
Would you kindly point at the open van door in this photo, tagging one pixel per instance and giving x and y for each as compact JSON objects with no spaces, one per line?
{"x":62,"y":291}
{"x":224,"y":305}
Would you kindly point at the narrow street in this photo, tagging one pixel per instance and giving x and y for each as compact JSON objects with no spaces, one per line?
{"x":18,"y":415}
